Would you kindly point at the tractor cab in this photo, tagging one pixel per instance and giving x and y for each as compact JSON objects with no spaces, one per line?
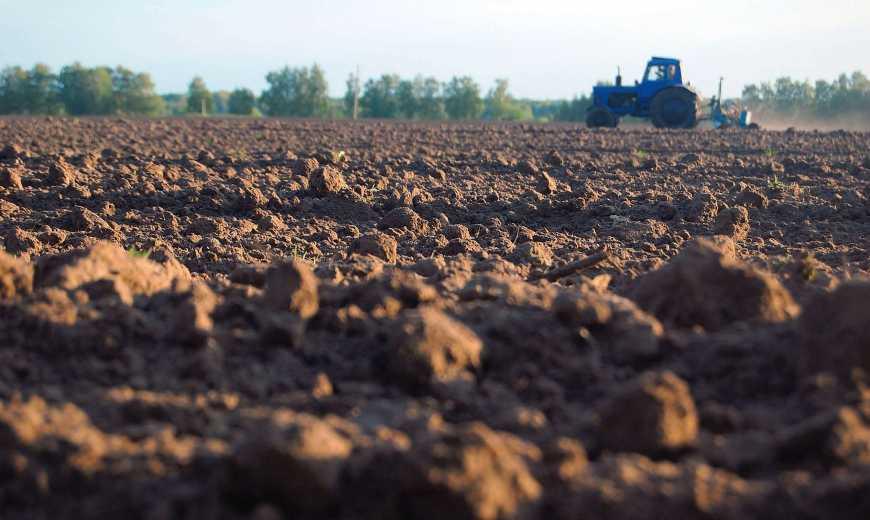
{"x":660,"y":70}
{"x":660,"y":96}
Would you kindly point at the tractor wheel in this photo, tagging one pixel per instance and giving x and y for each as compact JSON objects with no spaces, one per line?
{"x":753,"y":126}
{"x":674,"y":108}
{"x":600,"y":117}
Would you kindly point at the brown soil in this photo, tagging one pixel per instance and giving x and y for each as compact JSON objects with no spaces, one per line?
{"x":291,"y":319}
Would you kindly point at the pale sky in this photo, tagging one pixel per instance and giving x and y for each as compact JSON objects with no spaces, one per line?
{"x":547,"y":48}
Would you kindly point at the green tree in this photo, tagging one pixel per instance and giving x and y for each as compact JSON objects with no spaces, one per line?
{"x":574,"y":110}
{"x":407,"y":98}
{"x":242,"y":102}
{"x":13,"y":90}
{"x":135,"y":93}
{"x":298,"y":92}
{"x":462,"y":98}
{"x":379,"y":97}
{"x":176,"y":104}
{"x":199,"y":99}
{"x":501,"y":105}
{"x":220,"y":101}
{"x":41,"y":91}
{"x":86,"y":90}
{"x":430,"y":103}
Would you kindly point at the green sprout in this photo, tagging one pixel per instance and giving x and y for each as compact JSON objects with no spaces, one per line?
{"x":136,"y":253}
{"x":775,"y":183}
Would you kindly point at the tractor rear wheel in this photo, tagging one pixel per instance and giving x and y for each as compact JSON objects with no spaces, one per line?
{"x":674,"y":108}
{"x":599,"y":117}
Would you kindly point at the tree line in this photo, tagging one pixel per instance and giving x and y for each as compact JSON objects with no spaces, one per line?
{"x":848,"y":95}
{"x":290,"y":92}
{"x":77,"y":90}
{"x":304,"y":92}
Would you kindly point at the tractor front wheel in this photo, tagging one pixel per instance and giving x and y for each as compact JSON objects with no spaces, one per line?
{"x":674,"y":108}
{"x":599,"y":117}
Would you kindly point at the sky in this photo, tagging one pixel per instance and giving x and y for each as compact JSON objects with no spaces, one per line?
{"x":547,"y":49}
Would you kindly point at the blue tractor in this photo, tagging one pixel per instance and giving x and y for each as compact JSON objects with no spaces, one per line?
{"x":661,"y":96}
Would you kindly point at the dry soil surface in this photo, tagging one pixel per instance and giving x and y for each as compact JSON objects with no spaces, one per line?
{"x":259,"y":319}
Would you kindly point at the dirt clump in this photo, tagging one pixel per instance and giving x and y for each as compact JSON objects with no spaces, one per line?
{"x":841,"y":437}
{"x":628,"y":333}
{"x":424,"y":346}
{"x":103,"y":261}
{"x":11,"y":152}
{"x":327,"y":180}
{"x":404,"y":217}
{"x":835,"y":331}
{"x":291,"y":286}
{"x":192,"y":309}
{"x":60,"y":173}
{"x":378,"y":245}
{"x":469,"y":472}
{"x":19,"y":241}
{"x":752,"y":197}
{"x":707,"y":285}
{"x":533,"y":253}
{"x":11,"y":178}
{"x":732,"y":222}
{"x":634,"y":487}
{"x":16,"y":277}
{"x":546,"y":184}
{"x":291,"y":460}
{"x":653,"y":414}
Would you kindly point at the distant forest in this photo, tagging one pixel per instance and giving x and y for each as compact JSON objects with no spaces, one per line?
{"x":304,"y":92}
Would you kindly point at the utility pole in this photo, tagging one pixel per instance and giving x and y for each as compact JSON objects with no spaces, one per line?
{"x":356,"y":94}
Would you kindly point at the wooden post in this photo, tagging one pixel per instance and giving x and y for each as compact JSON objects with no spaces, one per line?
{"x":356,"y":94}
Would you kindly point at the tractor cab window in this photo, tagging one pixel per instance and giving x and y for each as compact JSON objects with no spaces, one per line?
{"x":660,"y":72}
{"x":655,"y":73}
